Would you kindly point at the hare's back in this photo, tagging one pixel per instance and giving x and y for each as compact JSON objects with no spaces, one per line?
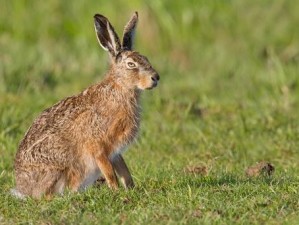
{"x":49,"y":150}
{"x":52,"y":130}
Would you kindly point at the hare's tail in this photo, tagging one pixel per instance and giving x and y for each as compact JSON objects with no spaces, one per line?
{"x":14,"y":192}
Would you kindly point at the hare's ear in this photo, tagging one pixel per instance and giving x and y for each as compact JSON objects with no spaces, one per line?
{"x":106,"y":35}
{"x":129,"y":32}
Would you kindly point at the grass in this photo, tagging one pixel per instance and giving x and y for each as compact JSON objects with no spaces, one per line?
{"x":228,"y":98}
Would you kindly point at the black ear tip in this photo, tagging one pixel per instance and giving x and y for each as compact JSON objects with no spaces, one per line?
{"x":99,"y":17}
{"x":136,"y":14}
{"x":96,"y":15}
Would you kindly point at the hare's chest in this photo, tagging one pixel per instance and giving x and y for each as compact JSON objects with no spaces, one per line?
{"x":124,"y":127}
{"x":122,"y":133}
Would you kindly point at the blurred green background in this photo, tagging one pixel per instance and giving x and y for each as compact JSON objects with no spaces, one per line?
{"x":228,"y":97}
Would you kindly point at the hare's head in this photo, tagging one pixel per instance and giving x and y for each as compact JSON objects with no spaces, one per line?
{"x":130,"y":68}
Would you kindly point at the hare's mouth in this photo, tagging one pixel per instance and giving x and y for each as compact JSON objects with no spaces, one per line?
{"x":154,"y":84}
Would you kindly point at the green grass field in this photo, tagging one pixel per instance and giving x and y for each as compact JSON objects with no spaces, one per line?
{"x":228,"y":98}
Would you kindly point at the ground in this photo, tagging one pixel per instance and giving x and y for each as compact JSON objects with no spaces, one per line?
{"x":228,"y":98}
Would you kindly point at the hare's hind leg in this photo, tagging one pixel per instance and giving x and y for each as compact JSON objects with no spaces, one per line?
{"x":35,"y":182}
{"x":23,"y":183}
{"x":46,"y":183}
{"x":60,"y":185}
{"x":73,"y":178}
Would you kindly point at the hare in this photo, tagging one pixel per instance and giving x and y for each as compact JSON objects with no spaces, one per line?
{"x":82,"y":137}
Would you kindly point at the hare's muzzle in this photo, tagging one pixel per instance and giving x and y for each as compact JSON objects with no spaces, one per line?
{"x":155,"y":78}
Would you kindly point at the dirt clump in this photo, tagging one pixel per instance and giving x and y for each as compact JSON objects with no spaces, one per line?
{"x":261,"y":168}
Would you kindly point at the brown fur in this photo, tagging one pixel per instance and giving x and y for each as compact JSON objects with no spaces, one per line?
{"x":72,"y":142}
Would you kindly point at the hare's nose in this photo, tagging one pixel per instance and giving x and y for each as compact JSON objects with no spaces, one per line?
{"x":156,"y":77}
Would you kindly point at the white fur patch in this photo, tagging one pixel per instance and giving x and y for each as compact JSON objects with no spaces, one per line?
{"x":90,"y":179}
{"x":85,"y":92}
{"x":112,"y":37}
{"x":14,"y":192}
{"x":92,"y":172}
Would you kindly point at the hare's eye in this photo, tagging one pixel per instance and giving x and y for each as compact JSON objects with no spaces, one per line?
{"x":131,"y":65}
